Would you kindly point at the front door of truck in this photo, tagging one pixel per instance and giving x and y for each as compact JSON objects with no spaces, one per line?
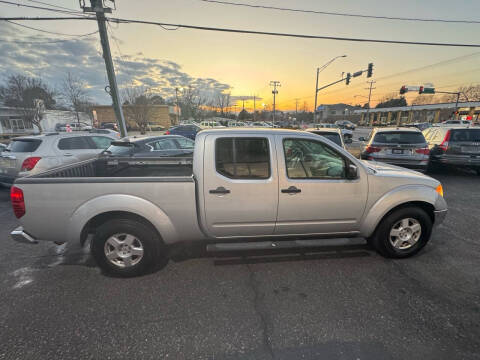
{"x":240,"y":185}
{"x":315,"y":196}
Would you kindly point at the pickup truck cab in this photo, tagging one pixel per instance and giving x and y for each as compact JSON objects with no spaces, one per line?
{"x":242,"y":186}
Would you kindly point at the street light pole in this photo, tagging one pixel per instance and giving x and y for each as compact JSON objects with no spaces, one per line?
{"x":316,"y":84}
{"x":275,"y":84}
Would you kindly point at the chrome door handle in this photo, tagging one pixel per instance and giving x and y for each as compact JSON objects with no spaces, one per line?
{"x":291,"y":190}
{"x":67,"y":154}
{"x":220,"y":190}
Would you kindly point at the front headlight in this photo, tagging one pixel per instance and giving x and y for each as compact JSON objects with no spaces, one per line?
{"x":439,"y":189}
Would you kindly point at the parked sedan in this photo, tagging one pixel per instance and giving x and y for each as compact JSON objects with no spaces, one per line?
{"x":29,"y":155}
{"x":152,"y":146}
{"x":458,"y":146}
{"x":334,"y":135}
{"x":345,"y":124}
{"x":399,"y":146}
{"x":189,"y":131}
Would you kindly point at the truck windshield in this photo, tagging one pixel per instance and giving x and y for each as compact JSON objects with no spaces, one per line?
{"x":399,"y":137}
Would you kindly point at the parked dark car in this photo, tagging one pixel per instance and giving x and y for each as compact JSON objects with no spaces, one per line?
{"x":111,"y":126}
{"x":457,"y":146}
{"x":398,"y":146}
{"x":152,"y":146}
{"x":189,"y":131}
{"x":345,"y":124}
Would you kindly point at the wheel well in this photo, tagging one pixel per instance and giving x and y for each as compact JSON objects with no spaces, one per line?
{"x":427,"y":207}
{"x":100,"y":219}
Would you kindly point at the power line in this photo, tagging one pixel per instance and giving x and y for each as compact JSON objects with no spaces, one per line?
{"x":342,"y":14}
{"x":254,"y":32}
{"x":78,"y":13}
{"x":52,"y":5}
{"x":36,"y":42}
{"x":51,"y":32}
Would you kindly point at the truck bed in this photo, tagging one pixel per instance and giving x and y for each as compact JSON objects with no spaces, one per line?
{"x":120,"y":167}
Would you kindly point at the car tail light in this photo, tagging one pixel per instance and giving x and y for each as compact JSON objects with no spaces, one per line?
{"x":167,"y":132}
{"x":424,"y":151}
{"x":444,"y":144}
{"x":18,"y":201}
{"x":29,"y":163}
{"x":372,"y":149}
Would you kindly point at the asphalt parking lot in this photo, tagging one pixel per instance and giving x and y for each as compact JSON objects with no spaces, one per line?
{"x":349,"y":304}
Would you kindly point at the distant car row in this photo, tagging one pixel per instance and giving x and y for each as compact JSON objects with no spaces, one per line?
{"x":427,"y":150}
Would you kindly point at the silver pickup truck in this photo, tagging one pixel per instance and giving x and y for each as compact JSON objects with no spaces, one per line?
{"x":243,"y":188}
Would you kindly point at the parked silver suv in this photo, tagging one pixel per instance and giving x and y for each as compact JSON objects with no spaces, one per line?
{"x":28,"y":155}
{"x":405,"y":147}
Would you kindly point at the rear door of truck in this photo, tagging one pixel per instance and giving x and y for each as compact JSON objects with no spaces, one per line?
{"x":240,"y":186}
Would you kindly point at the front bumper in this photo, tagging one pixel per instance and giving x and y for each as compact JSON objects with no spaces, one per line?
{"x":21,"y":236}
{"x":440,"y":216}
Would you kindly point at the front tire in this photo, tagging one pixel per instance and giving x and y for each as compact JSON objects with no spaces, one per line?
{"x":402,"y":233}
{"x":126,"y":248}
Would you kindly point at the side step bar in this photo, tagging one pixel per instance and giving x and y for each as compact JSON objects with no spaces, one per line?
{"x":322,"y":244}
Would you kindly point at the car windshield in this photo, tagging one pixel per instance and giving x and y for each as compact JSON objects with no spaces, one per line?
{"x":24,"y":145}
{"x":399,"y":137}
{"x":330,"y":136}
{"x":469,"y":135}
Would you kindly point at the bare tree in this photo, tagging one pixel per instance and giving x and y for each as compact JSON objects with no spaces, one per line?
{"x":192,"y":102}
{"x":222,"y":102}
{"x":138,"y":106}
{"x":30,"y":95}
{"x":467,"y":93}
{"x":74,"y":93}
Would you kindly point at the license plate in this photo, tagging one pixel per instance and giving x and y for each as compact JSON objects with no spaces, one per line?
{"x":397,"y":151}
{"x":7,"y":163}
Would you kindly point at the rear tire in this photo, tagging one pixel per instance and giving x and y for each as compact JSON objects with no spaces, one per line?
{"x":402,"y":233}
{"x":126,"y":248}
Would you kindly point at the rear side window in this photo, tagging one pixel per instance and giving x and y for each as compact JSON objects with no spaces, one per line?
{"x":468,"y":135}
{"x":121,"y":150}
{"x":24,"y":145}
{"x":399,"y":137}
{"x":242,"y":158}
{"x":74,"y":143}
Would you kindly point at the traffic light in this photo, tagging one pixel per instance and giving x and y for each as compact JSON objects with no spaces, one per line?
{"x":348,"y":79}
{"x":403,"y":90}
{"x":370,"y":70}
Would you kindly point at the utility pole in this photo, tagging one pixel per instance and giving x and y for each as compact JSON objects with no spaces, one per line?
{"x":275,"y":84}
{"x":316,"y":95}
{"x":369,"y":97}
{"x":254,"y":106}
{"x":296,"y":107}
{"x":99,"y":10}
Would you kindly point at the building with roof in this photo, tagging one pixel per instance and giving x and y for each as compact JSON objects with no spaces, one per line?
{"x":433,"y":113}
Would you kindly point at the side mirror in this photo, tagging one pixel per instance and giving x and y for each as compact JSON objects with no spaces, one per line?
{"x":362,"y":139}
{"x":352,"y":172}
{"x":348,"y":140}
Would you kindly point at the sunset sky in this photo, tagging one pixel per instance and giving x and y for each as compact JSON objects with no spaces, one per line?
{"x":247,"y":63}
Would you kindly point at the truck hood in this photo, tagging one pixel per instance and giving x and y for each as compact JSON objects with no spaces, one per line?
{"x":408,"y":175}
